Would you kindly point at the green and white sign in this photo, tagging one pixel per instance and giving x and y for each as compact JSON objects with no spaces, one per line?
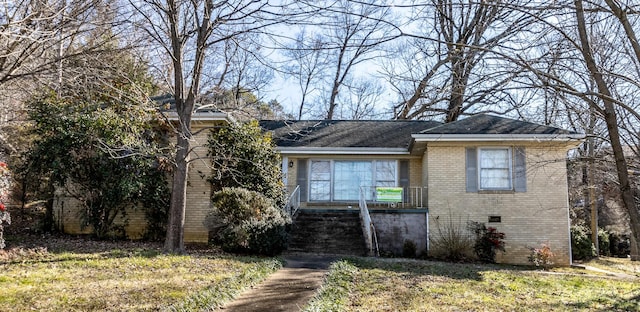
{"x":389,"y":194}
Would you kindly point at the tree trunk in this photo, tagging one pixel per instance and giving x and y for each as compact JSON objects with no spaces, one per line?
{"x":335,"y":89}
{"x":626,"y":24}
{"x":455,"y":102}
{"x":339,"y":77}
{"x":48,"y":223}
{"x":593,"y":203}
{"x":185,"y":99}
{"x":418,"y":93}
{"x":174,"y":242}
{"x":611,"y":121}
{"x":304,"y":95}
{"x":459,"y":81}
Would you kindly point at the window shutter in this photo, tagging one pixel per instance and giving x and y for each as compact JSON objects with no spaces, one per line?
{"x":301,"y":179}
{"x":403,"y":179}
{"x":519,"y":170}
{"x":472,"y":169}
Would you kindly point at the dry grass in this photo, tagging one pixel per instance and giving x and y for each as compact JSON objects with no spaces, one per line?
{"x":618,"y":265}
{"x":406,"y":285}
{"x":133,"y":279}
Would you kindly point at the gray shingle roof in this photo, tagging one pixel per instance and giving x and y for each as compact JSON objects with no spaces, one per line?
{"x":488,"y":124}
{"x":345,"y":133}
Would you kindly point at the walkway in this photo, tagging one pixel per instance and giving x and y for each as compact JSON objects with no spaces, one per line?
{"x":289,"y":289}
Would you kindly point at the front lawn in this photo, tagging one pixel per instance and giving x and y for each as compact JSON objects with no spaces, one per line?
{"x":123,"y":279}
{"x":409,"y":285}
{"x":617,"y":265}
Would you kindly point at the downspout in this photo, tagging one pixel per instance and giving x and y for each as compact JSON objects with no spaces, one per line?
{"x":425,"y":189}
{"x":426,"y":217}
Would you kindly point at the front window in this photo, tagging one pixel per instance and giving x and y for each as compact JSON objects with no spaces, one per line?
{"x":341,"y":180}
{"x":495,"y":168}
{"x":349,"y":177}
{"x":386,"y":173}
{"x":320,"y":181}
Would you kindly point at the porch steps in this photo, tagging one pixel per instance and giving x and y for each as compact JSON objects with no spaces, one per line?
{"x":327,"y":231}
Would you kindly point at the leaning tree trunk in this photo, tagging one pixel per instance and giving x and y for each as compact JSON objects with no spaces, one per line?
{"x":335,"y":89}
{"x":611,"y":120}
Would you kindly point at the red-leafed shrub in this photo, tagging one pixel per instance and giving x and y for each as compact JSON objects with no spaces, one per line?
{"x":488,"y":241}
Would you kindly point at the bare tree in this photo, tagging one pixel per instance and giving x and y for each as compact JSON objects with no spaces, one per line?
{"x":307,"y":64}
{"x":37,"y":36}
{"x":591,"y":62}
{"x":39,"y":39}
{"x":351,"y":33}
{"x":610,"y":114}
{"x":187,"y":32}
{"x":360,"y":100}
{"x":451,"y":61}
{"x":236,"y":75}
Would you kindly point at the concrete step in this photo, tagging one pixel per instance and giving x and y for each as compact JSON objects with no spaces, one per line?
{"x":327,"y":231}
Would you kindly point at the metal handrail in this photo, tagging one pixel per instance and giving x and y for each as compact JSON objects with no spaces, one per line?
{"x":293,"y":202}
{"x":368,"y":230}
{"x":375,"y":239}
{"x":416,"y":195}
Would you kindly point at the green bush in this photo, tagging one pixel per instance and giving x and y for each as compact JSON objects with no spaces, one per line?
{"x":247,"y":222}
{"x":581,"y":246}
{"x":604,"y":245}
{"x":242,"y":155}
{"x":99,"y":143}
{"x":619,"y":245}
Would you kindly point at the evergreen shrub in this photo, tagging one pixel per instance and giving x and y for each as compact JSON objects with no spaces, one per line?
{"x":246,"y":221}
{"x":581,"y":246}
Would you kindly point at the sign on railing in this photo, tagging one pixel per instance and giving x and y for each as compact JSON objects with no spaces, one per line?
{"x":389,"y":194}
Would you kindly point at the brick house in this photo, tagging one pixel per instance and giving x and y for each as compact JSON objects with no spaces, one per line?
{"x":413,"y":176}
{"x":66,"y":208}
{"x":508,"y":174}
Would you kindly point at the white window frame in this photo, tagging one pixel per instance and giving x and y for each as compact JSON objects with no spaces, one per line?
{"x":509,"y":168}
{"x":332,"y":175}
{"x":310,"y":180}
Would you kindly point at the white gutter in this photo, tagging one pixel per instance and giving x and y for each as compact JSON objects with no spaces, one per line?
{"x":200,"y":116}
{"x":343,"y":150}
{"x":496,"y":137}
{"x":210,"y":117}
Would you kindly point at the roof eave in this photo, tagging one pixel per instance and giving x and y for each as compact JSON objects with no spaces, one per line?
{"x":200,"y":116}
{"x":342,"y":150}
{"x":497,"y":137}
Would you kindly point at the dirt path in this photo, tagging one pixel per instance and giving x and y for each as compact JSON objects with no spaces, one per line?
{"x":289,"y":289}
